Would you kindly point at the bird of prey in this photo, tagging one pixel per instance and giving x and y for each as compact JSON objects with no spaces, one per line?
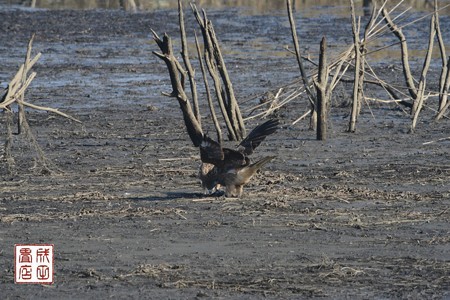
{"x":232,"y":168}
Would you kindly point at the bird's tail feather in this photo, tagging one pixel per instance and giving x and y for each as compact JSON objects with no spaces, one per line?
{"x":260,"y":163}
{"x":247,"y":173}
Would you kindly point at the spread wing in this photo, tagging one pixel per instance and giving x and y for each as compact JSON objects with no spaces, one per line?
{"x":233,"y":159}
{"x":257,"y":135}
{"x":227,"y":159}
{"x":212,"y":152}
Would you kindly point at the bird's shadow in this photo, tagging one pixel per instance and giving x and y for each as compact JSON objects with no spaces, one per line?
{"x":177,"y":195}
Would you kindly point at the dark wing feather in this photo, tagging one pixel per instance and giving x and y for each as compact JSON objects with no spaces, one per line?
{"x":211,"y":152}
{"x":233,"y":159}
{"x":257,"y":135}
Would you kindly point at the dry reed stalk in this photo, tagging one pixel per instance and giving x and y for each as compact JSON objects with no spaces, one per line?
{"x":390,"y":89}
{"x":301,"y":117}
{"x":273,"y":105}
{"x":337,"y":72}
{"x":291,"y":95}
{"x":22,"y":118}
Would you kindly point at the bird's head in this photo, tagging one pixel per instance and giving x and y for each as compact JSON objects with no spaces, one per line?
{"x":209,"y":177}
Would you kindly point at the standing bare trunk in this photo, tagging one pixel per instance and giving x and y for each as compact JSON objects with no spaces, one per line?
{"x":322,"y":93}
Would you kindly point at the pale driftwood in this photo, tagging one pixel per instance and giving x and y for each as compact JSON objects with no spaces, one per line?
{"x":216,"y":69}
{"x":322,"y":93}
{"x":306,"y":82}
{"x":385,"y":100}
{"x":19,"y":90}
{"x":15,"y":95}
{"x":418,"y":102}
{"x":174,"y":159}
{"x":360,"y":50}
{"x":392,"y":91}
{"x":16,"y":90}
{"x":49,"y":109}
{"x":375,"y":28}
{"x":438,"y":140}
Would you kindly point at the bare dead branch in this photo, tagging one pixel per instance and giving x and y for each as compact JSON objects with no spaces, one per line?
{"x":418,"y":102}
{"x":233,"y":107}
{"x":443,"y":96}
{"x":312,"y":98}
{"x":192,"y":125}
{"x":357,"y":84}
{"x":404,"y":53}
{"x":444,"y":103}
{"x":187,"y":63}
{"x":222,"y":83}
{"x":208,"y":92}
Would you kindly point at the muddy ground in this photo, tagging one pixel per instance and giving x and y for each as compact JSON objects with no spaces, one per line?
{"x":363,"y":215}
